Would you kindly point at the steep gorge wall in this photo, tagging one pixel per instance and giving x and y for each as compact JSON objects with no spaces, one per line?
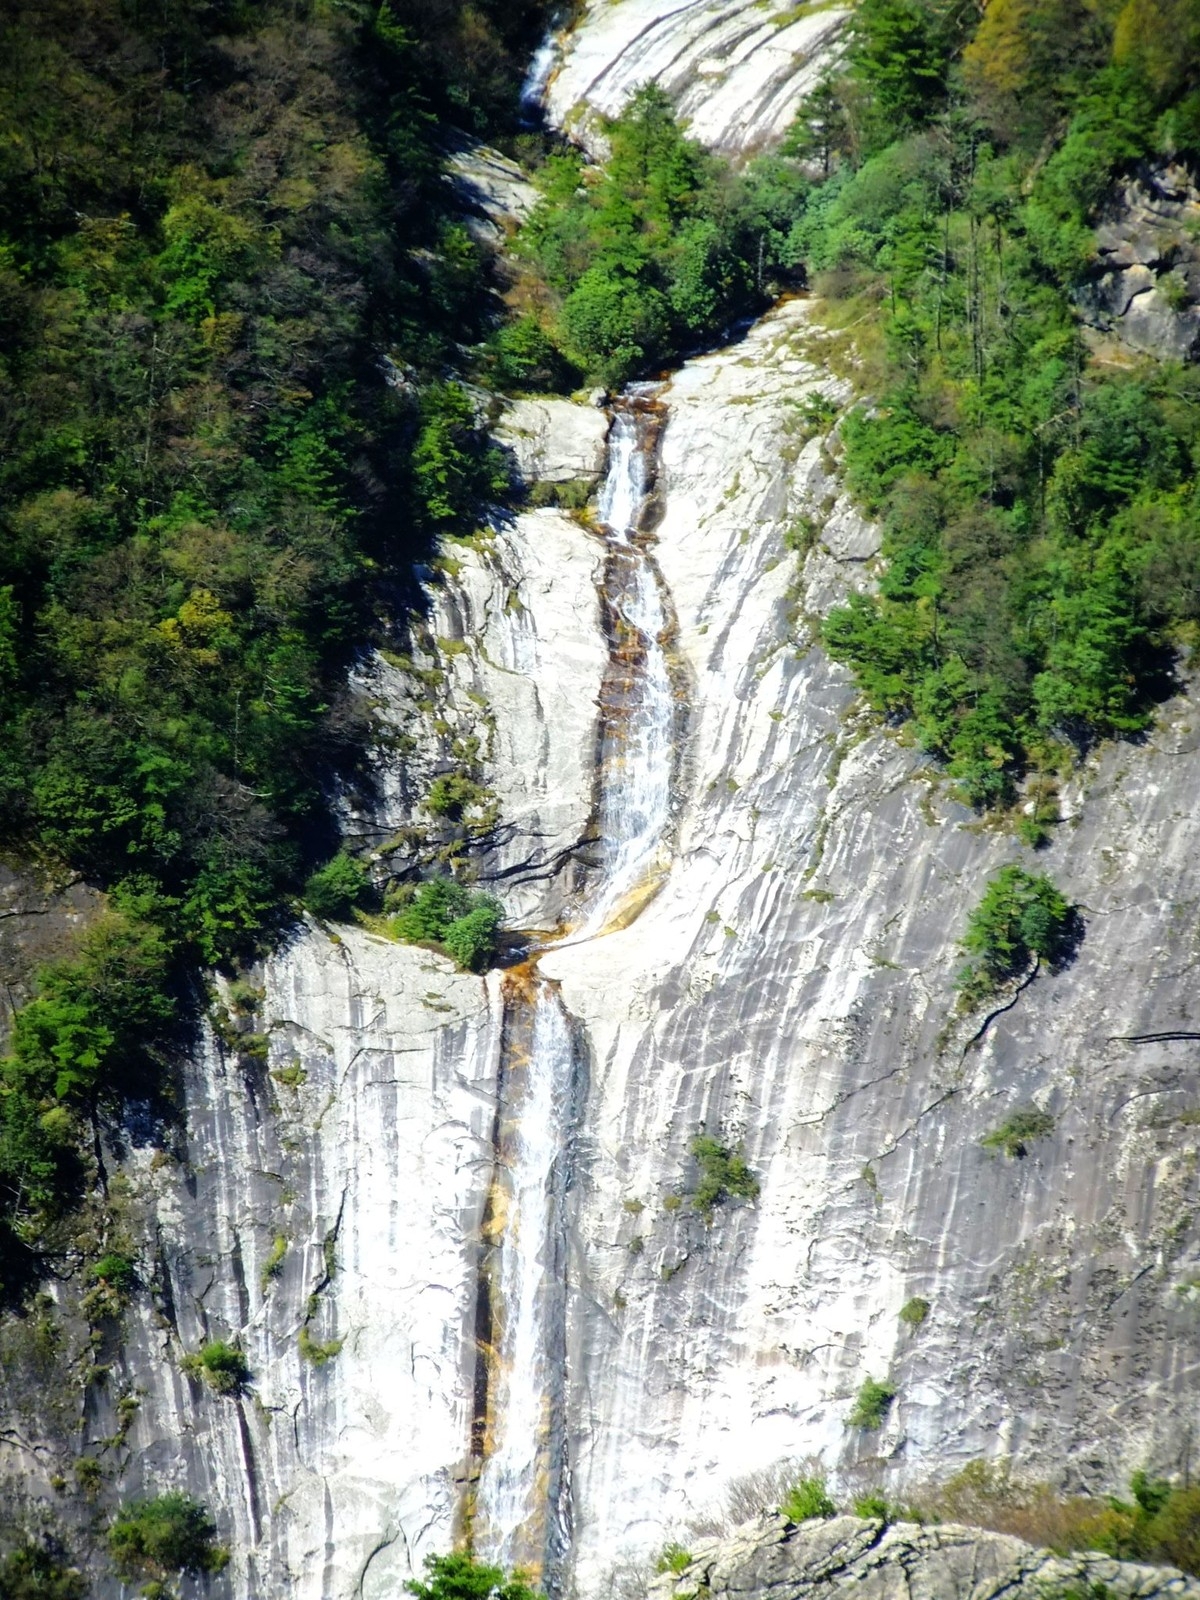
{"x":790,"y":987}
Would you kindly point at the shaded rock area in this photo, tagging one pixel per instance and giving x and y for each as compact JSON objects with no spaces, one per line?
{"x":493,"y":192}
{"x":775,"y":1560}
{"x":39,"y":921}
{"x":1146,"y":286}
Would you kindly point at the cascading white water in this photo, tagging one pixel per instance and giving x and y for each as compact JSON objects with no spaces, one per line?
{"x":517,"y":1494}
{"x":533,"y":89}
{"x":516,"y":1473}
{"x":639,"y":710}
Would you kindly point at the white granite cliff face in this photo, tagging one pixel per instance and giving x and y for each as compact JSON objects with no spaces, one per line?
{"x":326,"y":1201}
{"x":736,"y":72}
{"x":790,"y":987}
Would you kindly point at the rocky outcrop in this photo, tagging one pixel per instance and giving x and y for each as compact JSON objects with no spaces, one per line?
{"x":502,"y":683}
{"x":493,"y":192}
{"x":324,"y":1213}
{"x":553,"y":440}
{"x":735,"y":72}
{"x":775,"y":1560}
{"x":1146,"y":286}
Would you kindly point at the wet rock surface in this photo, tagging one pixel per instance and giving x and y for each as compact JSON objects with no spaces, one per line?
{"x":775,"y":1560}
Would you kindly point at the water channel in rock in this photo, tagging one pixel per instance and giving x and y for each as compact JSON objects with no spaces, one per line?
{"x":522,"y":1500}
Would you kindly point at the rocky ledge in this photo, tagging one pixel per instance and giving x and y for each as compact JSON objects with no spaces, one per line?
{"x":771,"y":1559}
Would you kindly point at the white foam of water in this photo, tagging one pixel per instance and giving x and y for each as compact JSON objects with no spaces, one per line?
{"x":533,"y":89}
{"x":636,"y":762}
{"x":512,"y":1475}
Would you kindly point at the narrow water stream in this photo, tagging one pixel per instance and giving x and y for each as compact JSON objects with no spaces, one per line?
{"x":522,"y":1511}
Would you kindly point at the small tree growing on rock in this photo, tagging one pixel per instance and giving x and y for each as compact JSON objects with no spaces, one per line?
{"x":1022,"y":917}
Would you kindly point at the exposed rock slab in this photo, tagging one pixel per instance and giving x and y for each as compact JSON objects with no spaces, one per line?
{"x":735,"y":72}
{"x":511,"y":661}
{"x":775,"y":1560}
{"x":792,"y":988}
{"x":1146,"y":285}
{"x":493,"y":192}
{"x":554,"y":440}
{"x":368,"y":1155}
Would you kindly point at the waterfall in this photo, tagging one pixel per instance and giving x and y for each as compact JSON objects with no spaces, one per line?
{"x":533,"y":89}
{"x":519,"y":1474}
{"x":520,"y":1509}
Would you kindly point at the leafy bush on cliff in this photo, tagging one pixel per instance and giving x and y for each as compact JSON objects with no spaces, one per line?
{"x":872,"y":1404}
{"x":464,"y":922}
{"x":722,"y":1175}
{"x":335,"y":889}
{"x":39,"y":1570}
{"x":1020,"y":917}
{"x":160,"y":1539}
{"x":460,"y":1577}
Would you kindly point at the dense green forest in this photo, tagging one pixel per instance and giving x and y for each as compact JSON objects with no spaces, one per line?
{"x":1041,"y":510}
{"x":214,"y":217}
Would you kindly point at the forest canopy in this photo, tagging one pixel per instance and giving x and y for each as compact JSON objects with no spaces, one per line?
{"x":1040,"y":507}
{"x":215,"y":217}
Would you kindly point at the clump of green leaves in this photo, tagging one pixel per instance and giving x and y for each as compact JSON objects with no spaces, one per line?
{"x":807,"y":1498}
{"x":334,"y":890}
{"x":660,"y":248}
{"x":464,"y":922}
{"x":94,"y":1035}
{"x":221,"y":1365}
{"x":1020,"y":916}
{"x":872,"y":1404}
{"x":1015,"y":1134}
{"x":461,"y":1577}
{"x":39,"y":1570}
{"x":722,"y":1175}
{"x":672,"y":1558}
{"x":317,"y":1352}
{"x":155,"y":1541}
{"x":913,"y":1312}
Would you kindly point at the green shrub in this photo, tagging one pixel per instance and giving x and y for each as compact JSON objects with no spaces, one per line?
{"x":453,"y":793}
{"x":221,"y":1365}
{"x":723,"y":1175}
{"x":461,"y":1577}
{"x":40,"y":1572}
{"x":807,"y":1499}
{"x":273,"y":1265}
{"x":872,"y":1404}
{"x":114,"y":1269}
{"x":913,"y":1312}
{"x":1014,"y":1135}
{"x":672,"y":1558}
{"x":316,"y":1352}
{"x":163,"y":1538}
{"x":874,"y":1506}
{"x":334,"y":890}
{"x":1021,"y":915}
{"x":464,"y":922}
